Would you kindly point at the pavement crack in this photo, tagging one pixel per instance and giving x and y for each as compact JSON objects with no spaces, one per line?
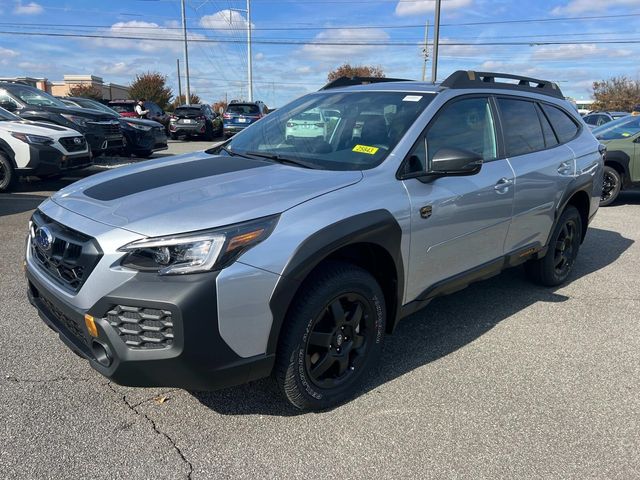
{"x":14,"y":379}
{"x":154,"y":426}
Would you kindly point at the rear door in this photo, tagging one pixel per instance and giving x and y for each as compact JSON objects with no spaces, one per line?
{"x":458,"y":224}
{"x":543,"y":168}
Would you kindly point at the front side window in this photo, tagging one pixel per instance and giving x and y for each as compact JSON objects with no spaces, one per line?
{"x":565,"y":128}
{"x":361,"y":130}
{"x":35,"y":97}
{"x":5,"y":99}
{"x":522,"y":130}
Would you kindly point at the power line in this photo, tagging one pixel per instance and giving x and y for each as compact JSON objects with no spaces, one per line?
{"x":322,"y":43}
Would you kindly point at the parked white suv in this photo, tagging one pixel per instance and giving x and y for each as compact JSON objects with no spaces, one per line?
{"x":40,"y":149}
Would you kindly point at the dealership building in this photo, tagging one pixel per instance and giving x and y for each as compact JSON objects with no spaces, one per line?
{"x":110,"y":91}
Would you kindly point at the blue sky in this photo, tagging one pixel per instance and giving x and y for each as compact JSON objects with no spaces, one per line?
{"x":284,"y":72}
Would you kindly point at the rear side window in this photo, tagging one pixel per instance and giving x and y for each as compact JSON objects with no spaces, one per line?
{"x":123,"y":107}
{"x":564,"y":126}
{"x":522,"y":129}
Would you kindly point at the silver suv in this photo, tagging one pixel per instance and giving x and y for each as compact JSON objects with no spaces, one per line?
{"x":267,"y":255}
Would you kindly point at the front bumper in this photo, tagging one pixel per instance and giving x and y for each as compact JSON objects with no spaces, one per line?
{"x":145,"y":141}
{"x":197,"y":358}
{"x":47,"y":160}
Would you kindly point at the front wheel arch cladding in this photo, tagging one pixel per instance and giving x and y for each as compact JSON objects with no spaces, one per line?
{"x":378,"y":227}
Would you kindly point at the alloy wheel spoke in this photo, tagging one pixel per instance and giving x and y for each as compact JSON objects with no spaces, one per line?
{"x":337,"y":311}
{"x":323,"y":365}
{"x":355,"y":317}
{"x":358,"y":341}
{"x":343,"y":363}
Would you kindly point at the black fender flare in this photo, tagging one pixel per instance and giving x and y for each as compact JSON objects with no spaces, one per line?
{"x":574,"y":187}
{"x":6,"y":149}
{"x":622,"y":159}
{"x":377,"y":227}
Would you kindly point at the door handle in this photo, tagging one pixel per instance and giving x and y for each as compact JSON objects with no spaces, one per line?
{"x":565,"y":168}
{"x":502,"y":186}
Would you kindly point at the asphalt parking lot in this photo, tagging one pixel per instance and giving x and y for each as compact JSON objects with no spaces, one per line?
{"x":501,"y":380}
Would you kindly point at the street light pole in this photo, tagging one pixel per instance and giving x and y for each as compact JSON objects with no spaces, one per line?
{"x":249,"y":67}
{"x":186,"y":55}
{"x":436,"y":40}
{"x":425,"y":51}
{"x":179,"y":81}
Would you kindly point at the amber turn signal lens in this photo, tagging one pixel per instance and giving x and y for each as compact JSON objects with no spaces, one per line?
{"x":91,"y":325}
{"x":244,"y":239}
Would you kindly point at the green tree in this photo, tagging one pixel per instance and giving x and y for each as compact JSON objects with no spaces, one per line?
{"x":151,"y":86}
{"x":86,"y":91}
{"x":347,"y":70}
{"x":617,"y":93}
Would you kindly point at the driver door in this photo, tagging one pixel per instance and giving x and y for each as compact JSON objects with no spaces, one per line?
{"x":458,"y":223}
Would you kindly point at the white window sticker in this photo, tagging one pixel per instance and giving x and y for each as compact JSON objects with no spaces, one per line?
{"x":412,"y":98}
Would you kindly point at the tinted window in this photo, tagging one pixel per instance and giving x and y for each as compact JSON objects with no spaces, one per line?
{"x":187,"y":111}
{"x":466,"y":124}
{"x":550,"y":139}
{"x":563,"y":125}
{"x":622,"y":128}
{"x":123,"y":107}
{"x":248,"y":109}
{"x":522,"y":130}
{"x":591,"y":119}
{"x":33,"y":96}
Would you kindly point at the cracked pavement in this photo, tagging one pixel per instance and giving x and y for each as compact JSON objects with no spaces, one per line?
{"x":501,"y":380}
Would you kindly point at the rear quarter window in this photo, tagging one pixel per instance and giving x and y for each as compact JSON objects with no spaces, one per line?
{"x":566,"y":129}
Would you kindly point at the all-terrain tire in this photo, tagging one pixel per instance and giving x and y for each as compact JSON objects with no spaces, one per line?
{"x":8,"y":175}
{"x":612,"y":184}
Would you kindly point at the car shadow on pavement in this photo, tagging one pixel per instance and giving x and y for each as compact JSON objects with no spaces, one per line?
{"x":628,"y":197}
{"x":444,"y":326}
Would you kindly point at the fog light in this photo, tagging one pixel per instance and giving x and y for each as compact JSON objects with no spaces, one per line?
{"x":91,"y":325}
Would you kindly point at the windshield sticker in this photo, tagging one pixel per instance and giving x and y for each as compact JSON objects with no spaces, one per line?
{"x":412,"y":98}
{"x":365,"y":149}
{"x":626,"y":134}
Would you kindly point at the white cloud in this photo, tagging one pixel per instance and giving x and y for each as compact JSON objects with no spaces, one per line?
{"x":31,"y":8}
{"x":228,"y":21}
{"x":341,"y":50}
{"x":304,"y":70}
{"x":136,"y":28}
{"x":576,"y":52}
{"x":582,"y":6}
{"x":6,"y":55}
{"x":418,"y":7}
{"x":259,"y":56}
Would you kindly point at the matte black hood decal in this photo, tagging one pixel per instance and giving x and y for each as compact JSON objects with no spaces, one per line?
{"x":168,"y":175}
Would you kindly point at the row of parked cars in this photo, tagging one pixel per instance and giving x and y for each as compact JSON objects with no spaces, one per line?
{"x":42,"y":135}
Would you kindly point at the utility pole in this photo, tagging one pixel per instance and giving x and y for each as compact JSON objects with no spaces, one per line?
{"x":186,"y":54}
{"x":436,"y":40}
{"x":425,"y":50}
{"x":179,"y":81}
{"x":249,"y":67}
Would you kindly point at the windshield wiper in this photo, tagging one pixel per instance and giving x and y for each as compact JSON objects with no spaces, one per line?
{"x":284,"y":160}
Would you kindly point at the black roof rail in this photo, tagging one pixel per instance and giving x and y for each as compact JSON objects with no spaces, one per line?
{"x":471,"y":79}
{"x":350,"y":81}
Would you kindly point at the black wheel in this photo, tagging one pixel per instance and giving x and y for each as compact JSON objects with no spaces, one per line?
{"x":554,"y":268}
{"x":208,"y":133}
{"x":332,"y":336}
{"x":611,"y":185}
{"x":174,"y":136}
{"x":8,"y":175}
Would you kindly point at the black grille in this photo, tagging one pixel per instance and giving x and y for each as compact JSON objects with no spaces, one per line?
{"x":65,"y":321}
{"x":70,"y":144}
{"x":110,"y":128}
{"x":71,"y":255}
{"x":141,"y":327}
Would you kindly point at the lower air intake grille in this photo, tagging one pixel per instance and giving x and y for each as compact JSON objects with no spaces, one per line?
{"x":141,"y":327}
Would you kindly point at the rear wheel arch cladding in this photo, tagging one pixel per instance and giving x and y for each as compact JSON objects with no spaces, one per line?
{"x":579,"y":197}
{"x":378,"y":227}
{"x":6,"y":149}
{"x":620,"y":162}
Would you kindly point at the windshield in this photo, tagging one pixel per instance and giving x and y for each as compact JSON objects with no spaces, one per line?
{"x":38,"y":98}
{"x":249,"y":109}
{"x":88,"y":103}
{"x":624,"y":127}
{"x":123,"y":107}
{"x":6,"y":116}
{"x":358,"y":134}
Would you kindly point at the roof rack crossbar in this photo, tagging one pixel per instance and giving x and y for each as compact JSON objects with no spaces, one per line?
{"x":471,"y":79}
{"x":350,"y":81}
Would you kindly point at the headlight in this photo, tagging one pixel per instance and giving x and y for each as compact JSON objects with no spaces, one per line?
{"x":139,"y":127}
{"x":32,"y":139}
{"x":76,"y":119}
{"x":198,"y":251}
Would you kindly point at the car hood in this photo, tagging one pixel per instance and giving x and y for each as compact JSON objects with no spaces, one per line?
{"x":139,"y":121}
{"x":89,"y":113}
{"x":36,"y":128}
{"x":196,"y":191}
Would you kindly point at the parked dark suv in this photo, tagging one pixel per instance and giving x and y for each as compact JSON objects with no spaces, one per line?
{"x":126,"y":108}
{"x":240,"y":115}
{"x":101,"y":130}
{"x":195,"y":119}
{"x":141,"y":137}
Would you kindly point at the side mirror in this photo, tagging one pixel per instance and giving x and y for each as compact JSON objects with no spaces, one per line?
{"x":9,"y":106}
{"x":455,"y":162}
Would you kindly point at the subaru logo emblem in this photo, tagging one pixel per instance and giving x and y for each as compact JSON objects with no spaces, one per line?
{"x":77,"y":140}
{"x":43,"y":238}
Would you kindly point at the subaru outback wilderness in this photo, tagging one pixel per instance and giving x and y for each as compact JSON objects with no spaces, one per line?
{"x":264,"y":256}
